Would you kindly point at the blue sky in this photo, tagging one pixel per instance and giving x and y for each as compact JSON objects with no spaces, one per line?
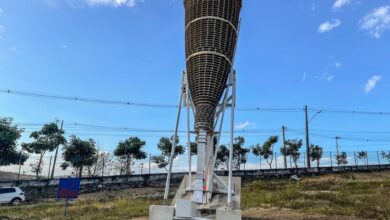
{"x":326,"y":54}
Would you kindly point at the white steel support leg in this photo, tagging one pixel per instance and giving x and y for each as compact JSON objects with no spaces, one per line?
{"x":233,"y":82}
{"x":222,"y":116}
{"x":166,"y":193}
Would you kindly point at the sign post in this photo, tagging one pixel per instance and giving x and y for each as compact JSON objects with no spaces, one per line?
{"x":68,"y":188}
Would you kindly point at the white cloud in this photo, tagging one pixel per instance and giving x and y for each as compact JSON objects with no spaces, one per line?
{"x":340,"y":3}
{"x":330,"y":78}
{"x":114,"y":3}
{"x":304,"y":76}
{"x":337,"y":64}
{"x":12,"y":49}
{"x":371,"y":83}
{"x":326,"y":76}
{"x":313,"y":6}
{"x":377,"y":21}
{"x":2,"y":30}
{"x":329,"y":25}
{"x":243,"y":125}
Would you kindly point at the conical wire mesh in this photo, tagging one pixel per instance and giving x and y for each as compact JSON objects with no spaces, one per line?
{"x":211,"y":35}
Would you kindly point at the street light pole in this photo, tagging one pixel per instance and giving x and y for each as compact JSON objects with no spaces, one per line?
{"x":307,"y":138}
{"x":284,"y":147}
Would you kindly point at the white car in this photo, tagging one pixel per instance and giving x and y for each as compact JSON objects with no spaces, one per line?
{"x":11,"y":195}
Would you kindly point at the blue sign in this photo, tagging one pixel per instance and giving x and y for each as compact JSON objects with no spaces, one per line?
{"x":68,"y":188}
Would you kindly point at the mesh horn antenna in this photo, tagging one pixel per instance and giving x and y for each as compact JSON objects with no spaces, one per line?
{"x":211,"y":35}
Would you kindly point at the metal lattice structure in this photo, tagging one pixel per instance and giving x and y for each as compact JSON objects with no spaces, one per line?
{"x":211,"y":33}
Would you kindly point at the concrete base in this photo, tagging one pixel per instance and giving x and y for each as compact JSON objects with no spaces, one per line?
{"x":219,"y":198}
{"x":186,"y":209}
{"x":228,"y":214}
{"x":158,"y":212}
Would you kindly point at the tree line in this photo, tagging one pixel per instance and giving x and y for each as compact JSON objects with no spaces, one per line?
{"x":85,"y":157}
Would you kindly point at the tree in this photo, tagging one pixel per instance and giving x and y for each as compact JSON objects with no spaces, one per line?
{"x":362,"y":155}
{"x":292,"y":149}
{"x":45,"y":140}
{"x":239,"y":152}
{"x":385,"y":155}
{"x":64,"y":165}
{"x":222,"y":156}
{"x":256,"y":150}
{"x":194,"y":148}
{"x":130,"y":149}
{"x":9,"y":134}
{"x":266,"y":150}
{"x":165,"y":146}
{"x":342,"y":158}
{"x":104,"y":162}
{"x":316,"y":153}
{"x":80,"y":153}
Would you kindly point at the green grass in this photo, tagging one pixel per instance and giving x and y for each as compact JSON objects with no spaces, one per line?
{"x":345,"y":197}
{"x":357,"y":195}
{"x":85,"y":209}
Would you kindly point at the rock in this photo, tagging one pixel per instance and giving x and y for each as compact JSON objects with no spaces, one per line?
{"x":294,"y":178}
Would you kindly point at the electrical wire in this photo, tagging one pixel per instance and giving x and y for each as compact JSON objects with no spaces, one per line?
{"x":170,"y":106}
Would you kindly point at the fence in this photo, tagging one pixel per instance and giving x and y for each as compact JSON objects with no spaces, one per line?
{"x":108,"y":165}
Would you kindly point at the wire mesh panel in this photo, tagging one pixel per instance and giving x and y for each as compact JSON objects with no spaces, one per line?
{"x":211,"y":35}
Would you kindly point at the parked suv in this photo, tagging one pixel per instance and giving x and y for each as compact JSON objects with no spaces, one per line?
{"x":11,"y":195}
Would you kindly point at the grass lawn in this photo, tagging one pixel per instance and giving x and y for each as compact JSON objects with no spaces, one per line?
{"x":341,"y":196}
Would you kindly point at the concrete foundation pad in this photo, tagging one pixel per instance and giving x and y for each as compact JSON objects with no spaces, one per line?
{"x":223,"y":214}
{"x":185,"y":208}
{"x":218,"y":200}
{"x":158,"y":212}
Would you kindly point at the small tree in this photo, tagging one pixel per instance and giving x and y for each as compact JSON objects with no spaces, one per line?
{"x":342,"y":158}
{"x":386,"y":155}
{"x":256,"y":150}
{"x":239,"y":152}
{"x":316,"y":153}
{"x":362,"y":155}
{"x":266,"y":151}
{"x":9,"y":135}
{"x":104,"y":162}
{"x":194,"y":148}
{"x":80,"y":153}
{"x":222,"y":157}
{"x":165,"y":146}
{"x":292,"y":148}
{"x":64,"y":165}
{"x":45,"y":140}
{"x":130,"y":149}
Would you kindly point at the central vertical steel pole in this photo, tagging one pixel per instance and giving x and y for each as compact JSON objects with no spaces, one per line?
{"x":230,"y":188}
{"x":201,"y":158}
{"x":166,"y":193}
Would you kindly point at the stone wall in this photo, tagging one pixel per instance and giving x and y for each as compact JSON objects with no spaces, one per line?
{"x":38,"y":189}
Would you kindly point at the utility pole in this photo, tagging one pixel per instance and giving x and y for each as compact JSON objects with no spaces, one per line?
{"x":103,"y":158}
{"x":150,"y":158}
{"x":20,"y":166}
{"x":55,"y":156}
{"x":337,"y":145}
{"x":284,"y":147}
{"x":307,"y":138}
{"x":48,"y":174}
{"x":142,"y":167}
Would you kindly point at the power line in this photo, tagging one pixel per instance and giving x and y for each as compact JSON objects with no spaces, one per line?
{"x":374,"y":140}
{"x":81,"y":99}
{"x":170,"y":106}
{"x":90,"y":127}
{"x":355,"y":112}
